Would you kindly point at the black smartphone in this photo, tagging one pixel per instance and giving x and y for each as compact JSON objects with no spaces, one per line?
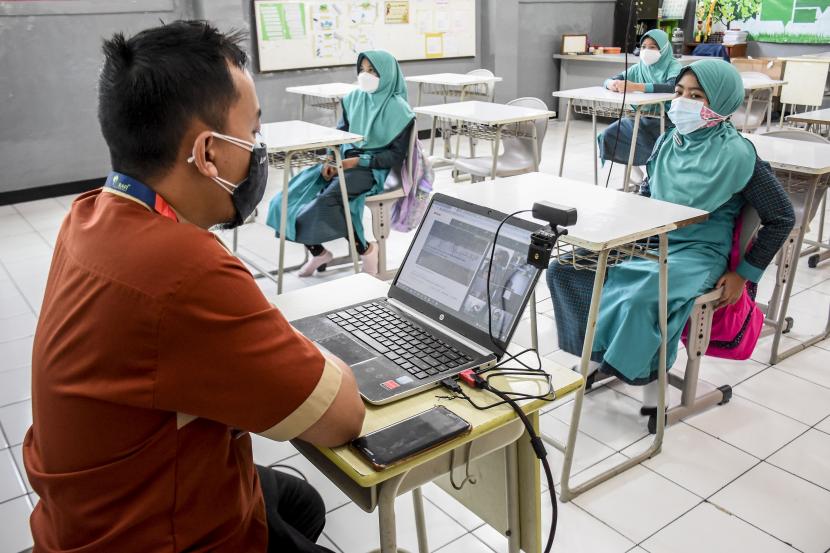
{"x":400,"y":441}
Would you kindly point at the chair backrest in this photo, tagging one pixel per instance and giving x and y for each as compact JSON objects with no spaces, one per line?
{"x":393,"y":180}
{"x":750,"y":223}
{"x":488,"y":88}
{"x":798,"y":134}
{"x":541,"y":124}
{"x":805,"y":82}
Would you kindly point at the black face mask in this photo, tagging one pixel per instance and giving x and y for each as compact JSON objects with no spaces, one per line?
{"x":246,"y":194}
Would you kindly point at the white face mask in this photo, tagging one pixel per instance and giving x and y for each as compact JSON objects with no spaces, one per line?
{"x":367,"y":82}
{"x":649,"y":57}
{"x":691,"y":115}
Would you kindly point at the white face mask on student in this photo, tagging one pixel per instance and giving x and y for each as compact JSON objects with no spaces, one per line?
{"x":367,"y":82}
{"x":649,"y":57}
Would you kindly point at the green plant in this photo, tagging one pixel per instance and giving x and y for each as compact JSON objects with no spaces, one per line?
{"x":727,"y":11}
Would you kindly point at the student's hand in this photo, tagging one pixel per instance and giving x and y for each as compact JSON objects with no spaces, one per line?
{"x":616,"y":86}
{"x":350,"y":163}
{"x":733,"y":286}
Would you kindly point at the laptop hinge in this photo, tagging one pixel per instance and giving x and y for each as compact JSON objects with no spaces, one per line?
{"x":449,"y":332}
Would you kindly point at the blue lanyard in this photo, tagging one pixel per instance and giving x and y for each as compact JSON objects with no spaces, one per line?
{"x":124,"y":184}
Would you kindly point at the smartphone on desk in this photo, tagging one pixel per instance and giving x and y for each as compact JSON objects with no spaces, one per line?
{"x":400,"y":441}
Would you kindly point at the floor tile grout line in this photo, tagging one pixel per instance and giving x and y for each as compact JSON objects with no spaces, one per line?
{"x":462,"y":536}
{"x":334,"y":543}
{"x":19,"y":290}
{"x":735,"y":393}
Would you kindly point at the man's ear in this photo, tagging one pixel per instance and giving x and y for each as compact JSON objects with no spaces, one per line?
{"x":204,"y":154}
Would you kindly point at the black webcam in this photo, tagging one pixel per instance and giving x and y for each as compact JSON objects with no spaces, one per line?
{"x":543,"y":240}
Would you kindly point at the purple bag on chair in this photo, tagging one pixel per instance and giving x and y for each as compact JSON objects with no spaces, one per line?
{"x":737,"y":327}
{"x":416,"y":181}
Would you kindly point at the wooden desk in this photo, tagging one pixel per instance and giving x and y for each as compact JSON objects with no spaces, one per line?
{"x":598,"y":100}
{"x":485,"y":120}
{"x":497,"y":445}
{"x":322,"y":96}
{"x":607,"y":220}
{"x":456,"y":84}
{"x":804,"y":169}
{"x":295,"y":144}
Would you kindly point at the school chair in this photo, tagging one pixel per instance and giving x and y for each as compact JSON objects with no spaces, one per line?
{"x":518,"y":156}
{"x":699,"y":336}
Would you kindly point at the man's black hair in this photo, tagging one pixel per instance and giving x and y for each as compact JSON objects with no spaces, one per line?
{"x":155,"y":83}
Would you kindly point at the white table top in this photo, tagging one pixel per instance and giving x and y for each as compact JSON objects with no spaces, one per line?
{"x":617,"y":58}
{"x":300,"y":135}
{"x":794,"y":155}
{"x":602,"y":94}
{"x":814,"y":58}
{"x":820,"y":116}
{"x":453,"y":79}
{"x":326,"y":90}
{"x":487,"y":113}
{"x":755,"y":83}
{"x":605,"y":218}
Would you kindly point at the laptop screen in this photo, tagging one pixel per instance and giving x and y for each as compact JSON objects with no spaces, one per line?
{"x":446,"y":266}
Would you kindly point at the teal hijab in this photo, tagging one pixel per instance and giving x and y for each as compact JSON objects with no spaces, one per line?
{"x":379,"y":116}
{"x":666,"y":68}
{"x":705,"y":168}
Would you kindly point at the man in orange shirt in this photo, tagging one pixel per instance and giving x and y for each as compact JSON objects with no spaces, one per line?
{"x":155,"y":352}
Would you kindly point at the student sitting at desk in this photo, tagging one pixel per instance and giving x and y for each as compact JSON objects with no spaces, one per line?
{"x":156,"y":352}
{"x":379,"y":112}
{"x":704,"y":163}
{"x":655,"y":72}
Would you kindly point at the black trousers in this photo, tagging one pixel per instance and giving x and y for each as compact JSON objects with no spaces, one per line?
{"x":295,"y":511}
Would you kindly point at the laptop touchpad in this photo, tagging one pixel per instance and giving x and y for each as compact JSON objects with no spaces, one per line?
{"x":347,"y":349}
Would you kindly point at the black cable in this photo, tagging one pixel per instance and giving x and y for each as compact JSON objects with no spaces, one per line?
{"x":625,"y":89}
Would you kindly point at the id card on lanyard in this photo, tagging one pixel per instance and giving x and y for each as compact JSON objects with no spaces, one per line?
{"x":128,"y":187}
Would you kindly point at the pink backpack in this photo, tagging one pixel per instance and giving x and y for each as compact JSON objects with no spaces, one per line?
{"x":737,"y":327}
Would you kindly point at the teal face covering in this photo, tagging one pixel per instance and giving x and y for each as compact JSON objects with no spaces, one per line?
{"x":707,"y":165}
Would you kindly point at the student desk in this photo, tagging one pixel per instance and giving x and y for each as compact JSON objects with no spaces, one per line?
{"x":323,"y":96}
{"x":295,"y":144}
{"x":498,"y":449}
{"x":455,"y":84}
{"x":610,"y":224}
{"x":803,"y":167}
{"x":757,"y":84}
{"x":578,"y":71}
{"x":487,"y":121}
{"x":817,"y":121}
{"x":598,"y":100}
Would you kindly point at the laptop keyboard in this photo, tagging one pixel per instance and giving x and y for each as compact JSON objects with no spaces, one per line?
{"x":401,"y":340}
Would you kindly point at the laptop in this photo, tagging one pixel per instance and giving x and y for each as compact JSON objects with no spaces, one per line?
{"x":433,"y":324}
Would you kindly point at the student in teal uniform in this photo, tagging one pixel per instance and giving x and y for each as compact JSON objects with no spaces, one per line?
{"x":378,"y":111}
{"x":656,"y":72}
{"x":704,"y":163}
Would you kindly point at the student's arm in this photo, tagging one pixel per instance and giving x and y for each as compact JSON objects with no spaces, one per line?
{"x":770,"y":200}
{"x":617,"y":77}
{"x":660,"y":88}
{"x":393,"y":155}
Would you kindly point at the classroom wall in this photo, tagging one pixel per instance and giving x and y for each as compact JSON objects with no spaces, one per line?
{"x":50,"y":56}
{"x":542,"y":24}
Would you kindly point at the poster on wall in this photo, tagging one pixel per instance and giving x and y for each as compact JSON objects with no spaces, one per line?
{"x":787,"y":21}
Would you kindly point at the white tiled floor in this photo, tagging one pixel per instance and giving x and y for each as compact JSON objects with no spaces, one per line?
{"x":752,"y":475}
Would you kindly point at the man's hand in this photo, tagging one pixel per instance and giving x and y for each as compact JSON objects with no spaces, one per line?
{"x":733,"y":286}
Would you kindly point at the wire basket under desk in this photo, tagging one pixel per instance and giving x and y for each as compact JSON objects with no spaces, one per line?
{"x":586,"y":260}
{"x":301,"y":158}
{"x":471,"y":92}
{"x":611,"y":110}
{"x":522,"y":129}
{"x":321,"y":102}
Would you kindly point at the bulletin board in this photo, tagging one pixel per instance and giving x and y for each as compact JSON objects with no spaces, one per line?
{"x":292,"y":34}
